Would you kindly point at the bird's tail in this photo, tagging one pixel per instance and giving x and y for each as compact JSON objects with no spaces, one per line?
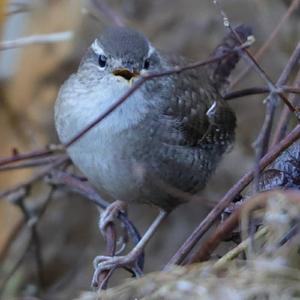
{"x":221,"y":70}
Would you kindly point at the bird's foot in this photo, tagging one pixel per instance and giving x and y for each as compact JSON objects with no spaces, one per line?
{"x":111,"y":263}
{"x":110,"y":214}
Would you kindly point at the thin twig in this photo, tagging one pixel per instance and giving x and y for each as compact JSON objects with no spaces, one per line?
{"x":16,"y":266}
{"x":262,"y":141}
{"x":36,"y":40}
{"x":37,"y":162}
{"x":226,"y":227}
{"x":25,"y":156}
{"x":202,"y":228}
{"x":103,"y":7}
{"x":251,"y":60}
{"x":18,"y":8}
{"x":37,"y":248}
{"x":285,"y":115}
{"x":218,"y":235}
{"x":36,"y":241}
{"x":14,"y":233}
{"x":35,"y":177}
{"x":60,"y":178}
{"x":240,"y":248}
{"x":259,"y":70}
{"x":260,"y":90}
{"x":293,"y":6}
{"x":32,"y":222}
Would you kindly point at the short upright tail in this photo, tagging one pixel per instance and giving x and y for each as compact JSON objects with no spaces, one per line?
{"x":221,"y":70}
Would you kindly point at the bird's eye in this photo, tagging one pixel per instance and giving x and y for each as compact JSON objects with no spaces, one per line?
{"x":102,"y":61}
{"x":147,"y":63}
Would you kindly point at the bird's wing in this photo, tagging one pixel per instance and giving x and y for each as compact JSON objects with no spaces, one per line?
{"x":202,"y":115}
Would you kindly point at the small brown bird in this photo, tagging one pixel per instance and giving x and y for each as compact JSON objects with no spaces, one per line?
{"x":163,"y":143}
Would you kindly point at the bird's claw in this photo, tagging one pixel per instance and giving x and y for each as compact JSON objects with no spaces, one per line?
{"x":110,"y":263}
{"x":110,"y":214}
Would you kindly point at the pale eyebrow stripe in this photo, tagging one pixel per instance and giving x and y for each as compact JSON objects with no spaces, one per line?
{"x":96,"y":48}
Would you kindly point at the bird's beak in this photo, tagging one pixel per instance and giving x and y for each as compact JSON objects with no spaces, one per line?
{"x":125,"y":73}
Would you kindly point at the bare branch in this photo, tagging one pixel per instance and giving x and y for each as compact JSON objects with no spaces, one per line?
{"x":29,"y":155}
{"x":260,"y":90}
{"x":18,"y":8}
{"x":202,"y":228}
{"x":31,"y":222}
{"x":293,"y":6}
{"x":262,"y":141}
{"x":37,"y":162}
{"x":285,"y":116}
{"x":36,"y":40}
{"x":103,"y":7}
{"x":35,"y":177}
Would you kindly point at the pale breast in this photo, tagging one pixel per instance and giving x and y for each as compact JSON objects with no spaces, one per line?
{"x":102,"y":154}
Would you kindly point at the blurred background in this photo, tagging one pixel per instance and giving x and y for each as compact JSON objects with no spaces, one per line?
{"x":30,"y":78}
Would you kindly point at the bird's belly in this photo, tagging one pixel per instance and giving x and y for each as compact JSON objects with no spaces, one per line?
{"x":147,"y":173}
{"x":115,"y":173}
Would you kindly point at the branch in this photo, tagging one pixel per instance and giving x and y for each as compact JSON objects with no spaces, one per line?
{"x":29,"y":155}
{"x":103,"y":7}
{"x":36,"y":40}
{"x":18,"y":8}
{"x":262,"y":141}
{"x":31,"y":217}
{"x":16,"y":266}
{"x":245,"y":244}
{"x":37,"y":162}
{"x":285,"y":116}
{"x":293,"y":6}
{"x":35,"y":177}
{"x":202,"y":228}
{"x":260,"y":90}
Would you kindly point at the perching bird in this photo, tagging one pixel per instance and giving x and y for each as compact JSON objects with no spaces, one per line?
{"x":163,"y":143}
